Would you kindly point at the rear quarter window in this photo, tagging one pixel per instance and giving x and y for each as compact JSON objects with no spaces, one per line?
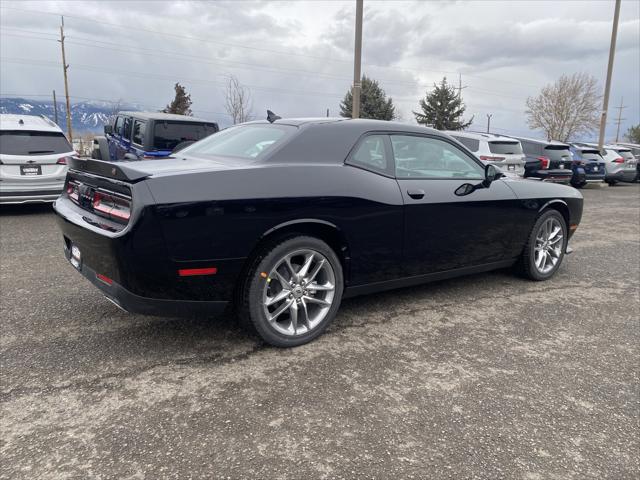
{"x":21,"y":142}
{"x":471,"y":143}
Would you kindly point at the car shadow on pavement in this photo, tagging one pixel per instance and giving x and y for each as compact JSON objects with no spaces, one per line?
{"x":26,"y":209}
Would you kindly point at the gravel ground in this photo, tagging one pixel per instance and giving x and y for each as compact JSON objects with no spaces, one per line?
{"x":488,"y":376}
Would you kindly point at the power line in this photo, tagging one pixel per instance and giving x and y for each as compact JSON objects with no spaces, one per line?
{"x":261,"y":49}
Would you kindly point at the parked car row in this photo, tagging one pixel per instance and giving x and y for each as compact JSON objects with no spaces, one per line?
{"x":577,"y":163}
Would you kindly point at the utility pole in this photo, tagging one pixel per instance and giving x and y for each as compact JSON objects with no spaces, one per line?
{"x":460,"y":87}
{"x":619,"y":118}
{"x":607,"y":87}
{"x":66,"y":83}
{"x":55,"y":107}
{"x":489,"y":115}
{"x":357,"y":77}
{"x":327,"y":112}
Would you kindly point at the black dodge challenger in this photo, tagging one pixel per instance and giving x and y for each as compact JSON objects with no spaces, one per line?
{"x":282,"y":219}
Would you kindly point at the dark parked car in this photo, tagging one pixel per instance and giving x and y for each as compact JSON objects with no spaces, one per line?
{"x":588,"y":166}
{"x":547,"y":161}
{"x":285,"y":219}
{"x":149,"y":135}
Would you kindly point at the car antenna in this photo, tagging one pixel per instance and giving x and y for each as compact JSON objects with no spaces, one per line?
{"x":272,"y":117}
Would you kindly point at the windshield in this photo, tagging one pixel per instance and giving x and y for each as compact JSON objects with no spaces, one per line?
{"x":591,"y":156}
{"x":167,"y":135}
{"x":558,"y":152}
{"x":246,"y":141}
{"x":505,"y":148}
{"x":21,"y":142}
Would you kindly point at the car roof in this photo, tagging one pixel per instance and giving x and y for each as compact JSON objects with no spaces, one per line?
{"x":479,"y":135}
{"x":541,"y":142}
{"x":164,"y":116}
{"x":360,"y":125}
{"x":39,"y":123}
{"x":617,"y":148}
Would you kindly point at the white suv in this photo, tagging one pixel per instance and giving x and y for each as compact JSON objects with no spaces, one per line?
{"x":33,"y":159}
{"x":503,"y":152}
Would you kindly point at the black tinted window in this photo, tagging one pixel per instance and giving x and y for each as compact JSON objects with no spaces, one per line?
{"x":126,"y":129}
{"x":33,"y":143}
{"x":557,"y":153}
{"x":138,"y":132}
{"x":470,"y":143}
{"x":505,"y":147}
{"x":117,"y":126}
{"x":247,"y":141}
{"x":590,"y":156}
{"x":166,"y":135}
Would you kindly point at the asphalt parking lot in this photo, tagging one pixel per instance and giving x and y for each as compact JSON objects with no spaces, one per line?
{"x":488,"y":376}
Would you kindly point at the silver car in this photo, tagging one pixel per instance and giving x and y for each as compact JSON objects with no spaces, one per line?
{"x":503,"y":152}
{"x":620,"y":164}
{"x":33,"y":159}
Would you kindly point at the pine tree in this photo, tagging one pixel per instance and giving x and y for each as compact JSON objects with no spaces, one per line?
{"x":181,"y":104}
{"x":373,"y":102}
{"x":442,"y":108}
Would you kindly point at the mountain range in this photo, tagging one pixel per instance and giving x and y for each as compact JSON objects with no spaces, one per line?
{"x":86,"y":117}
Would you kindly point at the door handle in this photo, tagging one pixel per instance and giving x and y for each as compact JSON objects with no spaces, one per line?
{"x":416,"y":194}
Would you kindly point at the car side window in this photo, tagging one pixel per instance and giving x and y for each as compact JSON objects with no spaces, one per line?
{"x":126,"y":128}
{"x":117,"y":126}
{"x":428,"y":157}
{"x":138,"y":132}
{"x":470,"y":143}
{"x":371,"y":154}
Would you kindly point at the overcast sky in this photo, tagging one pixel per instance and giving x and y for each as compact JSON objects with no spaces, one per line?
{"x":297,"y":57}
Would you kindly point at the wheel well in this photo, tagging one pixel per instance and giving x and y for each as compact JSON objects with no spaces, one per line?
{"x":560,"y":207}
{"x":327,"y":233}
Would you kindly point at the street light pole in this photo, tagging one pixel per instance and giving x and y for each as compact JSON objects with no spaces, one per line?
{"x":357,"y":85}
{"x":489,"y":115}
{"x":607,"y":87}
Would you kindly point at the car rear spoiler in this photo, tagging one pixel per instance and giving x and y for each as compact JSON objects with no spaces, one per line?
{"x":118,"y":171}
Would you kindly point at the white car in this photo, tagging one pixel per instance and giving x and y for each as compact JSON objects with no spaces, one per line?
{"x":503,"y":152}
{"x":33,"y":159}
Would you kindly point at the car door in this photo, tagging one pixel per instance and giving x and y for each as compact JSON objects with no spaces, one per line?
{"x":444,"y":231}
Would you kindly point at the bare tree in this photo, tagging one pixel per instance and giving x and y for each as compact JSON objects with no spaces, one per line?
{"x":115,"y":108}
{"x":567,"y":108}
{"x":237,"y":101}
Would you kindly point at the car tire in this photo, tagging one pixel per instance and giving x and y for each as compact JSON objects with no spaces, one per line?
{"x":578,"y":185}
{"x":612,"y":182}
{"x":267,"y":281}
{"x":528,"y":264}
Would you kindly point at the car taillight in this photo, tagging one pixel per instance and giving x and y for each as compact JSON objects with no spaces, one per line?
{"x":619,"y":160}
{"x":72,"y":191}
{"x":112,"y":206}
{"x":544,"y":161}
{"x":491,"y":159}
{"x":62,"y":161}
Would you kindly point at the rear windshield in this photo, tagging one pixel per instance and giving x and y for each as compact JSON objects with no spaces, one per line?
{"x":33,"y":143}
{"x":505,"y":148}
{"x":558,"y":152}
{"x":470,"y":143}
{"x":591,"y":156}
{"x":246,"y":141}
{"x":167,"y":135}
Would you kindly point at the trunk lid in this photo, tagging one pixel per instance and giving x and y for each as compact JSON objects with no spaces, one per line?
{"x":559,"y":157}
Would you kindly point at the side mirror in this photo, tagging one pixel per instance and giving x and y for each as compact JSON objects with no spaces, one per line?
{"x":464,"y":189}
{"x":108,"y":129}
{"x":491,"y":173}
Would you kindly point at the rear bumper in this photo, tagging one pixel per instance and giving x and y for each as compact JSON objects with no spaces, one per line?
{"x":622,"y":176}
{"x":555,"y":176}
{"x":29,"y":196}
{"x":133,"y":303}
